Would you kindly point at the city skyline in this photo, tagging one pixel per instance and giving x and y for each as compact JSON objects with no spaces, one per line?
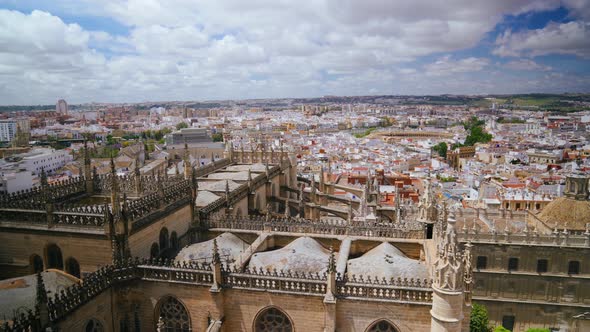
{"x":136,"y":51}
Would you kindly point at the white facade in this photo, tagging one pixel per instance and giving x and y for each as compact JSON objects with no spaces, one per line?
{"x":48,"y":159}
{"x":9,"y":127}
{"x":12,"y":181}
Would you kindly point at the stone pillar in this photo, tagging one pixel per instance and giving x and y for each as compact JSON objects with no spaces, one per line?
{"x":447,"y":310}
{"x":330,"y":297}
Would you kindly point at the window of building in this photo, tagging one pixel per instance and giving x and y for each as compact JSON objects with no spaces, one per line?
{"x":481,"y":263}
{"x":513,"y":264}
{"x":174,"y":315}
{"x":174,"y":241}
{"x":72,"y":267}
{"x":155,"y":250}
{"x":94,"y":325}
{"x":36,"y":264}
{"x":54,"y":257}
{"x":573,"y":267}
{"x":273,"y":320}
{"x":542,"y":265}
{"x":508,"y":322}
{"x":164,"y":238}
{"x":382,"y":326}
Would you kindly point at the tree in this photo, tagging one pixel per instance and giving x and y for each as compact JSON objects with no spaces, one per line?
{"x":441,"y":148}
{"x":217,"y":137}
{"x":181,"y":125}
{"x":538,"y":330}
{"x":479,"y":320}
{"x":501,"y":329}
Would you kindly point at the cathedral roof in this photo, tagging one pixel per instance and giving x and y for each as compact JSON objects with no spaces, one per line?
{"x":303,"y":255}
{"x":19,"y":294}
{"x":230,"y":248}
{"x":236,"y":176}
{"x":566,"y":212}
{"x":217,"y":186}
{"x":205,"y":198}
{"x":386,"y":261}
{"x":257,"y":168}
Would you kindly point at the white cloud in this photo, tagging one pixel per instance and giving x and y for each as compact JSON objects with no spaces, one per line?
{"x":526,"y":64}
{"x":448,"y":66}
{"x":186,"y":49}
{"x":556,"y":38}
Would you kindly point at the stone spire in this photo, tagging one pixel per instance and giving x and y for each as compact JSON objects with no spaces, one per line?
{"x":330,"y":297}
{"x":41,"y":301}
{"x":226,"y":189}
{"x":115,"y":200}
{"x":187,"y":163}
{"x":322,"y":189}
{"x":216,"y":268}
{"x":212,"y":157}
{"x":249,"y":177}
{"x":448,"y":284}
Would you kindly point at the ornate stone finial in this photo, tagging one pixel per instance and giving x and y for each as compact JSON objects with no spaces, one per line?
{"x":216,"y":259}
{"x":41,"y":297}
{"x":86,"y":154}
{"x":226,"y":188}
{"x":267,"y":170}
{"x":332,"y":261}
{"x":350,"y":211}
{"x":249,"y":177}
{"x":449,"y":264}
{"x":136,"y":170}
{"x":212,"y":157}
{"x":44,"y":182}
{"x":113,"y":170}
{"x":194,"y":179}
{"x":160,"y":326}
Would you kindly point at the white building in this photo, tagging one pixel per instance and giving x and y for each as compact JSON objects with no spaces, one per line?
{"x":37,"y":159}
{"x":15,"y":180}
{"x":9,"y":127}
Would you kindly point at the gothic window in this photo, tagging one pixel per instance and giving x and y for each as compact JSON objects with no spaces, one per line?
{"x":94,"y":325}
{"x":36,"y":264}
{"x":72,"y":267}
{"x":54,"y":257}
{"x":155,"y":250}
{"x":164,"y":238}
{"x":573,"y":267}
{"x":513,"y":264}
{"x":273,"y":320}
{"x":174,"y":316}
{"x":481,"y":263}
{"x":174,"y":241}
{"x":382,"y":326}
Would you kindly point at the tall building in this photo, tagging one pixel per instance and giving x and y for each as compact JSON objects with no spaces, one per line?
{"x":10,"y":127}
{"x":61,"y":107}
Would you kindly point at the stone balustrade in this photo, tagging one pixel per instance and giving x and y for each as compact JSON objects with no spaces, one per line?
{"x":326,"y":227}
{"x":556,"y":239}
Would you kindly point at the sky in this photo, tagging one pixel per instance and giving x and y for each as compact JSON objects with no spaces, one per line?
{"x":165,"y":50}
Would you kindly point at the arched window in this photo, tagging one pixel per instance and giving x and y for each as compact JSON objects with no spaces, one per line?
{"x":573,"y":267}
{"x":72,"y":267}
{"x":94,"y":325}
{"x":174,"y":315}
{"x":155,"y":250}
{"x":54,"y":257}
{"x":272,"y":320}
{"x":164,"y":238}
{"x":36,"y":263}
{"x":382,"y":326}
{"x":174,"y":241}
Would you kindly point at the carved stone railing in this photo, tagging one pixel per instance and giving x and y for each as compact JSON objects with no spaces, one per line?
{"x":556,"y":239}
{"x":411,"y":291}
{"x":128,"y":183}
{"x":327,"y":227}
{"x":54,"y":192}
{"x":212,"y":167}
{"x":276,"y":281}
{"x":414,"y":291}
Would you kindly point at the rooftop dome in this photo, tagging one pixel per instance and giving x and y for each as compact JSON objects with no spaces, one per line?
{"x":230,"y":248}
{"x":386,"y":261}
{"x":20,"y":293}
{"x":303,"y":255}
{"x":566,"y":212}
